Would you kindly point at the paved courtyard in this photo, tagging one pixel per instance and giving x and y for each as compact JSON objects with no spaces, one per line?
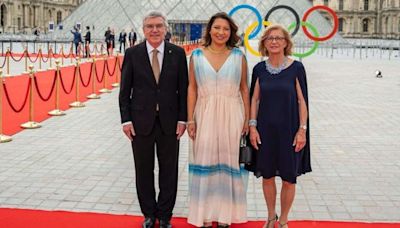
{"x":82,"y":161}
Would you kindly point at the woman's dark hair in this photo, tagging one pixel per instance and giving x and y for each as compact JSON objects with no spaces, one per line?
{"x":233,"y":39}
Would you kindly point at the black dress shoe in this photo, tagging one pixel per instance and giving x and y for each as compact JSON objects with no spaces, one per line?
{"x":165,"y":224}
{"x":149,"y":222}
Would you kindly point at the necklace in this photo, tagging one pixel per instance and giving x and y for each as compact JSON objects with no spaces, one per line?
{"x":276,"y":70}
{"x":217,"y":51}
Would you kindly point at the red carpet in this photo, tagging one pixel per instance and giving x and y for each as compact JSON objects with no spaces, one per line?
{"x":24,"y":218}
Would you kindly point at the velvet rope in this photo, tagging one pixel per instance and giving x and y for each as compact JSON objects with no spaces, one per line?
{"x":90,"y":74}
{"x":97,"y":76}
{"x":23,"y":55}
{"x":51,"y":90}
{"x":43,"y":58}
{"x":115,"y":67}
{"x":17,"y":110}
{"x":32,"y":61}
{"x":72,"y":85}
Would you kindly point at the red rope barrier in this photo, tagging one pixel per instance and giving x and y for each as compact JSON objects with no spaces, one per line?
{"x":80,"y":76}
{"x":15,"y":58}
{"x":72,"y":85}
{"x":5,"y":60}
{"x":97,"y":76}
{"x":51,"y":91}
{"x":17,"y":110}
{"x":108,"y":70}
{"x":31,"y":59}
{"x":48,"y":57}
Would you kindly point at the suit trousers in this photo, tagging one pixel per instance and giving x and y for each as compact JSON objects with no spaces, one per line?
{"x":167,"y":150}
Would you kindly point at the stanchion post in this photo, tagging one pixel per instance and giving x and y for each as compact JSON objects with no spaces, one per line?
{"x":77,"y":103}
{"x":26,"y":60}
{"x":95,"y":48}
{"x":62,"y":54}
{"x":8,"y":56}
{"x":40,"y":57}
{"x":116,"y":84}
{"x":31,"y":124}
{"x":104,"y":89}
{"x":57,"y":111}
{"x":3,"y":138}
{"x":51,"y":58}
{"x":94,"y":94}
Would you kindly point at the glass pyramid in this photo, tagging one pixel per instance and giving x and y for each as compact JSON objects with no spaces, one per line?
{"x":185,"y":16}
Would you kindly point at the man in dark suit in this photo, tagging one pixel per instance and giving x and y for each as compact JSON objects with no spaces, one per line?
{"x":87,"y":42}
{"x":132,"y":38}
{"x":153,"y":105}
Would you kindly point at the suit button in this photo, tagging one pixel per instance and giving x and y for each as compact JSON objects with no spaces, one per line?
{"x":158,"y":90}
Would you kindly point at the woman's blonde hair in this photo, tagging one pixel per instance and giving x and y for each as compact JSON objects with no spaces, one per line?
{"x":289,"y":43}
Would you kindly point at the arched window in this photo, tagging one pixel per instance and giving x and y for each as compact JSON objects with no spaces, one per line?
{"x":365,"y":25}
{"x":366,"y":4}
{"x":3,"y":15}
{"x":341,"y":6}
{"x":326,"y":2}
{"x":59,"y":17}
{"x":341,"y":22}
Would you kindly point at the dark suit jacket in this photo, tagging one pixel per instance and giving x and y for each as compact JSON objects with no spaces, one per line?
{"x":139,"y":92}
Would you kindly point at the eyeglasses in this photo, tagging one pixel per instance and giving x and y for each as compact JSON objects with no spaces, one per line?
{"x":156,"y":26}
{"x":276,"y":38}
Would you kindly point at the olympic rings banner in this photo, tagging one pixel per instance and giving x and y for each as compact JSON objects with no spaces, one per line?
{"x":254,"y":29}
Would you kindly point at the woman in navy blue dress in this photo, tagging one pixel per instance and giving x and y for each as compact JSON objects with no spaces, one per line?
{"x":279,"y":121}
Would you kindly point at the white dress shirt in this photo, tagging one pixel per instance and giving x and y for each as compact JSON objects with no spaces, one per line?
{"x":160,"y":54}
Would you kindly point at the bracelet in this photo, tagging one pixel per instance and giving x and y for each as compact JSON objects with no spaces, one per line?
{"x":190,"y":122}
{"x":253,"y":123}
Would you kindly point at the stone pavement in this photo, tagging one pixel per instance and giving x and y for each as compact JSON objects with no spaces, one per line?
{"x":82,"y":161}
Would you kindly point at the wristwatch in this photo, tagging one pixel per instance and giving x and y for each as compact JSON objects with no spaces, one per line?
{"x":304,"y":127}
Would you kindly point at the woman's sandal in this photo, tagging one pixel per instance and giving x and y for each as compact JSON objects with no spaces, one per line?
{"x":269,"y":221}
{"x":283,"y":225}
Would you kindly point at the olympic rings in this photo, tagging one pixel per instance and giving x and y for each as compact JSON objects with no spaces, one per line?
{"x":335,"y":23}
{"x":296,"y":25}
{"x":259,"y":18}
{"x":316,"y":43}
{"x":246,"y":37}
{"x":291,"y":10}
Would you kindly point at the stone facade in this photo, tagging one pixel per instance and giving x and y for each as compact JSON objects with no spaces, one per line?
{"x":26,"y":16}
{"x":366,"y":18}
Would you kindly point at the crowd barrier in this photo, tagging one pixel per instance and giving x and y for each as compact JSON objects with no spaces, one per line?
{"x":28,"y":99}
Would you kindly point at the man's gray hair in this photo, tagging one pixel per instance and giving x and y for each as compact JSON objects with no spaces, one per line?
{"x":155,"y":13}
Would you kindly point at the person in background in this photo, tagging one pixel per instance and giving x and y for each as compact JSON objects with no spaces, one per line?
{"x":122,"y":40}
{"x":107,"y":39}
{"x":77,"y":39}
{"x":132,"y":38}
{"x":87,"y":42}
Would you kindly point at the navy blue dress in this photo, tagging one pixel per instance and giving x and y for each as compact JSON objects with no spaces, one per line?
{"x":278,"y":123}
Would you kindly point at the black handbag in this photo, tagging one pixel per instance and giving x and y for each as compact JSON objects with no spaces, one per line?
{"x":245,"y":152}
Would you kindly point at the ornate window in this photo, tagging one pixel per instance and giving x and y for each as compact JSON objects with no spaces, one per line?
{"x":3,"y":15}
{"x":365,"y":23}
{"x":341,"y":5}
{"x":59,"y":17}
{"x":341,"y":21}
{"x":366,"y":4}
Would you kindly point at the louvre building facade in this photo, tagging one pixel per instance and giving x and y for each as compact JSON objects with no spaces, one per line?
{"x":366,"y":18}
{"x":26,"y":16}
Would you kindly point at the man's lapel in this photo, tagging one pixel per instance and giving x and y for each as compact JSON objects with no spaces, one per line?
{"x":166,"y":61}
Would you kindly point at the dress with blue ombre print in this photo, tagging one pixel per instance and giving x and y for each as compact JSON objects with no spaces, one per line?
{"x":217,"y":190}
